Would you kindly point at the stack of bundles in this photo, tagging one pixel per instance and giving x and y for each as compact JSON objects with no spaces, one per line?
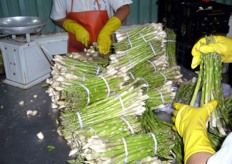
{"x":148,"y":53}
{"x":72,"y":69}
{"x":103,"y":116}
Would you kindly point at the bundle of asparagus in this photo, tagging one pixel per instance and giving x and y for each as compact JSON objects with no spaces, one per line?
{"x":134,"y":37}
{"x":131,"y":149}
{"x":125,"y":60}
{"x":121,"y":150}
{"x":161,"y":96}
{"x":67,"y":72}
{"x":159,"y":78}
{"x":185,"y":92}
{"x":209,"y":81}
{"x":129,"y":101}
{"x":162,"y":130}
{"x":149,"y":66}
{"x":112,"y":128}
{"x":93,"y":89}
{"x":171,"y":46}
{"x":228,"y":112}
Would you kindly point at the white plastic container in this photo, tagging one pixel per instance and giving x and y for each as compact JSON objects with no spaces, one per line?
{"x":25,"y":63}
{"x":53,"y":44}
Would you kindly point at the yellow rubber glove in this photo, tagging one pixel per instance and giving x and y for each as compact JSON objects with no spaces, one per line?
{"x":81,"y":34}
{"x":104,"y":37}
{"x":190,"y":123}
{"x":222,"y":46}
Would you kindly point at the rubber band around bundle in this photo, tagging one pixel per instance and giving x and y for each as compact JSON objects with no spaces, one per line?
{"x":88,"y":92}
{"x":164,"y":77}
{"x":142,"y":37}
{"x":153,"y":65}
{"x":122,"y":104}
{"x":133,"y":77}
{"x":148,"y":86}
{"x":126,"y":150}
{"x":155,"y":141}
{"x":152,"y":48}
{"x":162,"y":97}
{"x":128,"y":36}
{"x":128,"y":57}
{"x":66,"y":71}
{"x":74,"y":64}
{"x":98,"y":70}
{"x":174,"y":155}
{"x":129,"y":125}
{"x":83,"y":77}
{"x":80,"y":120}
{"x":92,"y":130}
{"x":107,"y":85}
{"x":75,"y":140}
{"x":171,"y":57}
{"x":171,"y":41}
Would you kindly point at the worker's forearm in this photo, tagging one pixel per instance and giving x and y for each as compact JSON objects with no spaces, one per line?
{"x":122,"y":12}
{"x":59,"y":22}
{"x":199,"y":158}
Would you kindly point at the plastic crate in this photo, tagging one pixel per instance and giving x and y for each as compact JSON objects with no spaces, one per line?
{"x":168,"y":12}
{"x":165,"y":9}
{"x":183,"y":54}
{"x":204,"y":18}
{"x":230,"y":74}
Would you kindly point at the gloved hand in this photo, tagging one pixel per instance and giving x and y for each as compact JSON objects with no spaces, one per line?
{"x":81,"y":34}
{"x":222,"y":46}
{"x":190,"y":123}
{"x":104,"y":36}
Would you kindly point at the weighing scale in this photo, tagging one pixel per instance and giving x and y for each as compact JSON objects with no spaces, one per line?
{"x":26,"y":54}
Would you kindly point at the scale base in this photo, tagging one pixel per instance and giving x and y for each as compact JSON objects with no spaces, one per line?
{"x":26,"y":86}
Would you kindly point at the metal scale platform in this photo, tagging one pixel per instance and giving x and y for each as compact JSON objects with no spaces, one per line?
{"x":25,"y":62}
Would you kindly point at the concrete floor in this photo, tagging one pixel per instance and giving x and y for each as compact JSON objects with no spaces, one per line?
{"x":18,"y":132}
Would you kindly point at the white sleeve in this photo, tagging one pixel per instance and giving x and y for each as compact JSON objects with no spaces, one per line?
{"x":224,"y":155}
{"x":59,"y":9}
{"x":117,"y":4}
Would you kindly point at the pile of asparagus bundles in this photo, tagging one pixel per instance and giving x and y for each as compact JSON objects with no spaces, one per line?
{"x":108,"y":109}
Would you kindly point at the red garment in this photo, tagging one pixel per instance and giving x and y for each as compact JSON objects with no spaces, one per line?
{"x":93,"y":21}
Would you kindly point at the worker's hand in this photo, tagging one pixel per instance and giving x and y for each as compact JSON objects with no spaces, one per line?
{"x":190,"y":123}
{"x":104,"y":37}
{"x":222,"y":46}
{"x":81,"y":34}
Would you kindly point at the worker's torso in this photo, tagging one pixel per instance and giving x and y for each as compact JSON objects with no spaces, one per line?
{"x":92,"y":20}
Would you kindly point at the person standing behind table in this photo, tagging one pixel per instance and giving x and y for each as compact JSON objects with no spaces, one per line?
{"x":89,"y":21}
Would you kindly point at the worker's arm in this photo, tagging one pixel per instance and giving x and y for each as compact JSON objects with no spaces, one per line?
{"x":104,"y":37}
{"x":122,"y":13}
{"x":59,"y":22}
{"x":81,"y":34}
{"x":199,"y":158}
{"x":190,"y":123}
